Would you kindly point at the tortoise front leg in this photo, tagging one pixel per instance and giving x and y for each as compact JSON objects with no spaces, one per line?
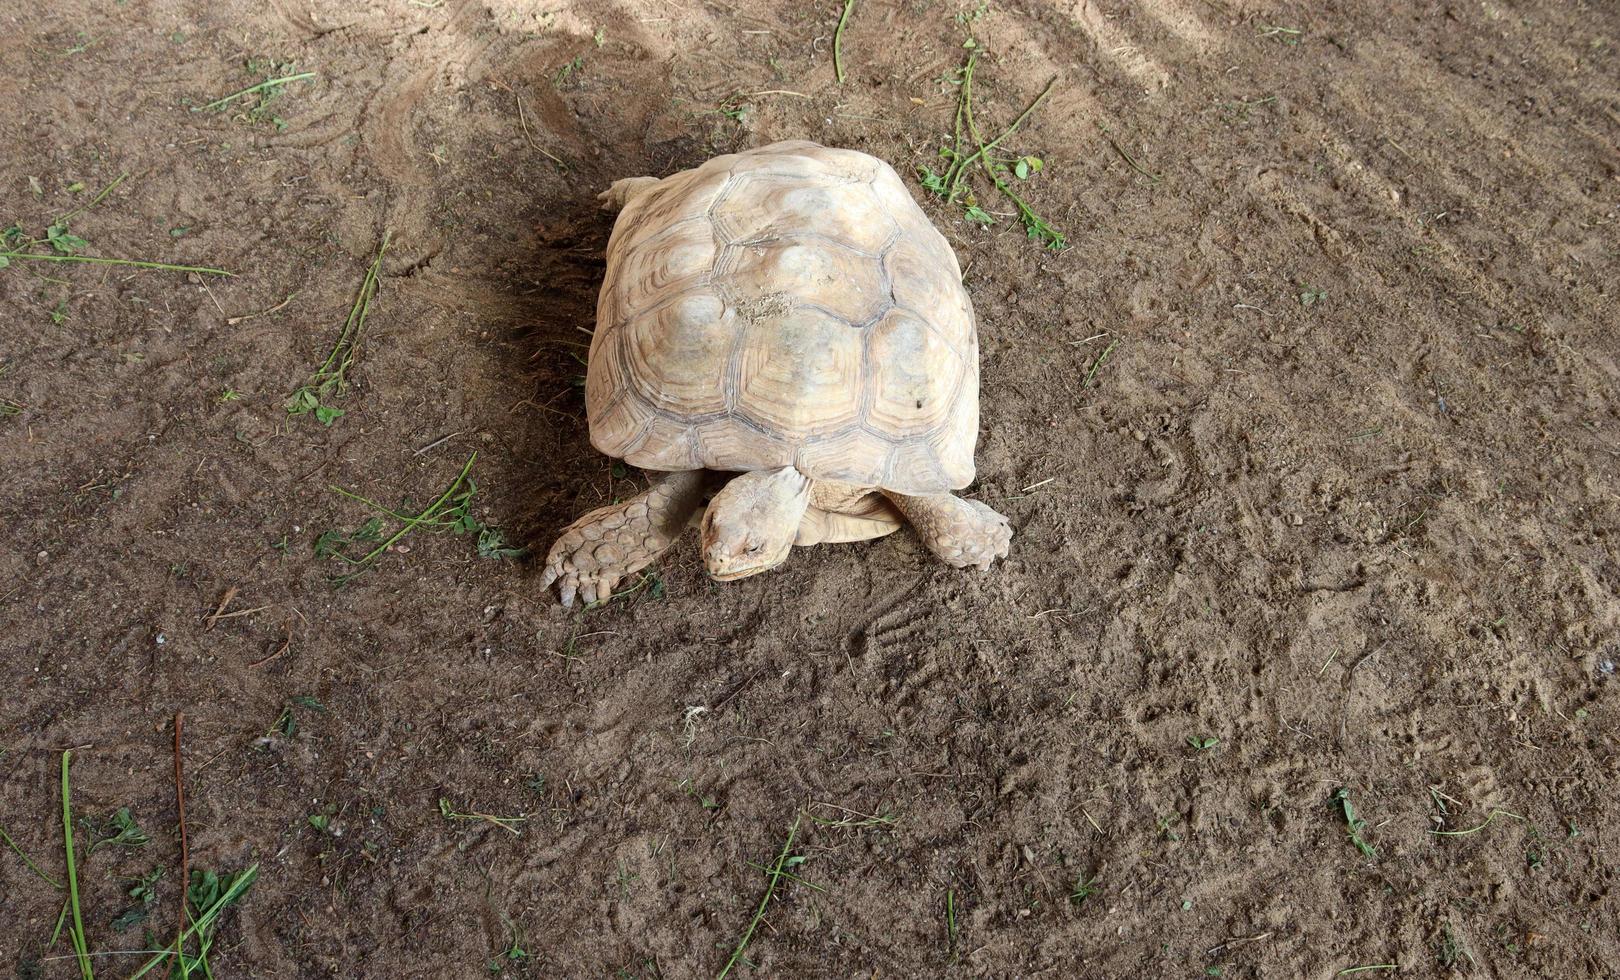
{"x":962,"y":532}
{"x":596,"y":551}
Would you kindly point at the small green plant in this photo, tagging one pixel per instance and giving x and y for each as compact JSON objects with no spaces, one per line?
{"x":563,"y":74}
{"x":81,"y":949}
{"x":230,"y":395}
{"x":287,"y":721}
{"x":144,"y":891}
{"x":1084,"y":888}
{"x":1310,"y":296}
{"x":333,"y":374}
{"x":120,"y":830}
{"x":1202,"y":742}
{"x":1452,"y":950}
{"x":1287,"y":35}
{"x":1164,"y":827}
{"x":1354,"y":824}
{"x":64,"y":246}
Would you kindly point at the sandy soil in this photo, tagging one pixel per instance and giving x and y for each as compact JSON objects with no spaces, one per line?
{"x":1341,"y":495}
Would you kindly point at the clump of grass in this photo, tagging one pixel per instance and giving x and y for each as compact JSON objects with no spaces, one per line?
{"x":333,"y":374}
{"x":969,"y":148}
{"x":1084,"y":889}
{"x":774,"y":875}
{"x":1354,"y":824}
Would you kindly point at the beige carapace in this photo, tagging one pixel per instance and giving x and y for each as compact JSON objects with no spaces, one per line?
{"x":790,"y":314}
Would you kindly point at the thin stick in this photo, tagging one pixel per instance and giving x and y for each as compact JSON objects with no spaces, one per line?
{"x":284,"y":647}
{"x":234,"y":320}
{"x":77,"y":935}
{"x":185,"y":854}
{"x":964,"y":99}
{"x":1368,"y":969}
{"x":1155,"y":178}
{"x":775,"y":873}
{"x":1474,"y":830}
{"x":31,"y":865}
{"x":1098,"y":363}
{"x":100,"y":197}
{"x":94,"y":260}
{"x":838,"y":41}
{"x":301,"y":76}
{"x":230,"y":594}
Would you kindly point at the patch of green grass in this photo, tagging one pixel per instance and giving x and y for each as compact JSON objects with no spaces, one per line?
{"x":1353,"y":824}
{"x":287,"y":722}
{"x":65,"y":246}
{"x":1451,"y":949}
{"x":1287,"y":35}
{"x":333,"y":374}
{"x":26,"y":860}
{"x":1083,"y":889}
{"x":1096,"y":365}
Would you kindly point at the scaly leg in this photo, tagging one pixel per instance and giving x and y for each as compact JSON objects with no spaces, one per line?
{"x":596,"y":551}
{"x":962,"y":532}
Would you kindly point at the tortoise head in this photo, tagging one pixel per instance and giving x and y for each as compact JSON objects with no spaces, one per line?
{"x":750,"y":525}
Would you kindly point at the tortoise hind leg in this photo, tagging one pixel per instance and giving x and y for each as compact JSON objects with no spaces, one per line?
{"x":596,"y":551}
{"x":962,"y":532}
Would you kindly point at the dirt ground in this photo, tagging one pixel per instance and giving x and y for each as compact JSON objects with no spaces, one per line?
{"x":1338,"y":508}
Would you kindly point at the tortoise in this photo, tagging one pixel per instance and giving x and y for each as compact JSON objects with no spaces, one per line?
{"x":787,"y":314}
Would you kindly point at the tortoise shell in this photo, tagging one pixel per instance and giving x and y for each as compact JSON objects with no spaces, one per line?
{"x":789,"y":305}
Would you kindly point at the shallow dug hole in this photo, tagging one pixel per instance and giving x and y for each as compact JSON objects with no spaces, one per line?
{"x":1309,"y":439}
